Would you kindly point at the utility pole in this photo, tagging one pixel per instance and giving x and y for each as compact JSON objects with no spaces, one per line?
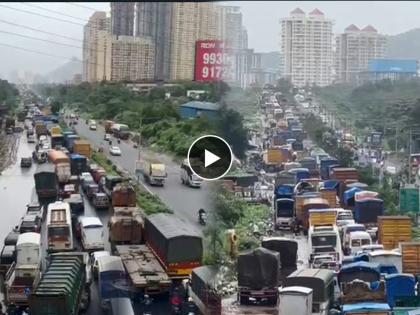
{"x":409,"y":156}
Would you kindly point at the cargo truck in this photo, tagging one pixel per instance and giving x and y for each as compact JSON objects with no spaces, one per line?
{"x":23,"y":276}
{"x":302,"y":213}
{"x":70,"y":139}
{"x":62,"y":165}
{"x":410,"y":252}
{"x":78,"y":164}
{"x":108,"y":183}
{"x":57,"y":140}
{"x":62,"y":289}
{"x":46,"y":183}
{"x":108,"y":126}
{"x":120,"y":131}
{"x":283,"y":213}
{"x":123,"y":195}
{"x":144,"y":270}
{"x":203,"y":290}
{"x":154,"y":172}
{"x":125,"y":227}
{"x":324,"y":165}
{"x":258,"y":274}
{"x":176,"y":243}
{"x":394,"y":229}
{"x":82,"y":147}
{"x":40,"y":129}
{"x":367,"y":212}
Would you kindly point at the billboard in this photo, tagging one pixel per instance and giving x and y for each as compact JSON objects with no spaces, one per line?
{"x":393,"y":66}
{"x":212,"y":63}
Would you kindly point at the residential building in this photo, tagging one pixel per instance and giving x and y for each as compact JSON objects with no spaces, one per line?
{"x":154,"y":19}
{"x":192,"y":21}
{"x":131,"y":59}
{"x":122,"y":15}
{"x":93,"y":46}
{"x":306,"y":46}
{"x":355,"y":48}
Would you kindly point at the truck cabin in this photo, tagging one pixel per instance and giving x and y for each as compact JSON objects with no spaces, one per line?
{"x":325,"y":240}
{"x":357,"y":239}
{"x":284,"y":212}
{"x":321,"y":281}
{"x":295,"y":300}
{"x":28,"y":249}
{"x":351,"y":228}
{"x":287,"y":248}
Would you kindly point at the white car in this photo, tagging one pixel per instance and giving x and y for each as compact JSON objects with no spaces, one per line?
{"x":115,"y":151}
{"x":92,"y":127}
{"x":94,"y":261}
{"x":107,"y":137}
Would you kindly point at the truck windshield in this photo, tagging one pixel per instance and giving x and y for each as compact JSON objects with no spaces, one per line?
{"x":344,"y":217}
{"x":284,"y":213}
{"x":324,"y":240}
{"x":58,"y":231}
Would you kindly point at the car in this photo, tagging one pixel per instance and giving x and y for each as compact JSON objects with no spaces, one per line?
{"x":46,"y":146}
{"x":26,"y":162}
{"x":31,"y":139}
{"x":94,"y":261}
{"x":92,"y":127}
{"x":30,"y":223}
{"x":115,"y":151}
{"x":107,"y":136}
{"x":36,"y":209}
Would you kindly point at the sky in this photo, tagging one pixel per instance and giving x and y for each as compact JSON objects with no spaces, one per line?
{"x":261,"y":18}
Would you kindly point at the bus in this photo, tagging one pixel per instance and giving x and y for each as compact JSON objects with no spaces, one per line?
{"x":59,"y":229}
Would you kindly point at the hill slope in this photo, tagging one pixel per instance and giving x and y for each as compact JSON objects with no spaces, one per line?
{"x":405,"y":45}
{"x":65,"y":72}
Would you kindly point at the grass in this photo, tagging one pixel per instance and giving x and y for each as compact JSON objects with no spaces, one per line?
{"x":101,"y":159}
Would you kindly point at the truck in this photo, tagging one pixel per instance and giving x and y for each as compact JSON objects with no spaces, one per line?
{"x":367,"y":212}
{"x":46,"y":183}
{"x":288,"y":250}
{"x":69,"y":140}
{"x":123,"y":195}
{"x":324,"y":165}
{"x":175,"y":242}
{"x":154,"y":172}
{"x":258,"y":273}
{"x":302,"y":214}
{"x":399,"y":287}
{"x":203,"y":290}
{"x":144,"y":270}
{"x":82,"y":147}
{"x":56,"y":130}
{"x":62,"y":289}
{"x":120,"y":131}
{"x":62,"y":165}
{"x":23,"y":276}
{"x":125,"y":226}
{"x":344,"y":173}
{"x":295,"y":300}
{"x":394,"y":229}
{"x":57,"y":140}
{"x":78,"y":164}
{"x":283,"y":212}
{"x":40,"y":129}
{"x":410,"y":252}
{"x":324,"y":240}
{"x":108,"y":126}
{"x":321,"y":281}
{"x":108,"y":183}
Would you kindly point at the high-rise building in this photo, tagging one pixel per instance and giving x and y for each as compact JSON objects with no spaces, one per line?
{"x":355,"y":48}
{"x":93,"y":49}
{"x":192,"y":21}
{"x":132,"y":59}
{"x":122,"y":15}
{"x":306,"y":46}
{"x":154,"y":19}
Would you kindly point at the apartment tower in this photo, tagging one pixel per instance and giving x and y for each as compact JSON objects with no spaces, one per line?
{"x":122,"y":15}
{"x":354,"y":49}
{"x":306,"y":46}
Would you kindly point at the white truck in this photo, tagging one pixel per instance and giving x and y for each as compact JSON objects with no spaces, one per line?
{"x":23,"y":276}
{"x":325,"y":240}
{"x":295,"y":300}
{"x":154,"y":172}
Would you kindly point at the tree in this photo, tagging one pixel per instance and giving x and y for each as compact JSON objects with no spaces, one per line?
{"x":56,"y":106}
{"x":231,"y":128}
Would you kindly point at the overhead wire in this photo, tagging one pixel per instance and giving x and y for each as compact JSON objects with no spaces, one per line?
{"x":53,"y":11}
{"x":81,"y":6}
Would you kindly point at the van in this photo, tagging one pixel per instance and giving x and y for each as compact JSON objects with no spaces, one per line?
{"x":348,"y":229}
{"x":92,"y":233}
{"x":357,"y":239}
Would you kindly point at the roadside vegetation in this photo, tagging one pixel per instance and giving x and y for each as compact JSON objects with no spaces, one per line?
{"x":153,"y":115}
{"x":8,"y":94}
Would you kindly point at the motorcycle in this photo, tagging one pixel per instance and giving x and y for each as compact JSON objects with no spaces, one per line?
{"x":202,"y":218}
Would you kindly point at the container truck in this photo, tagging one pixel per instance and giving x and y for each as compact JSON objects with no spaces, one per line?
{"x":125,"y":227}
{"x":62,"y":165}
{"x":302,"y":214}
{"x":143,"y":268}
{"x":176,"y":243}
{"x":154,"y":172}
{"x":62,"y":289}
{"x":394,"y":229}
{"x":23,"y":276}
{"x":123,"y":195}
{"x":410,"y":252}
{"x":40,"y":129}
{"x":324,"y":164}
{"x":78,"y":164}
{"x":46,"y":183}
{"x":82,"y":147}
{"x":321,"y":281}
{"x":344,"y":173}
{"x":295,"y":300}
{"x":367,"y":212}
{"x":108,"y":126}
{"x":258,"y":274}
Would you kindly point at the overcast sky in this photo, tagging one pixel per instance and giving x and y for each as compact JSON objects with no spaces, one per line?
{"x":261,"y":18}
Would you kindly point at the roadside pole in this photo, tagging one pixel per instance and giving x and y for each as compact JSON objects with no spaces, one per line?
{"x":409,"y":156}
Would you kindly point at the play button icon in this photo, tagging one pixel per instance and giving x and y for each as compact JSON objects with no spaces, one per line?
{"x":210,"y":157}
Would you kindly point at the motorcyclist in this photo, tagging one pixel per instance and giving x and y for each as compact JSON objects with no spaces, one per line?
{"x":202,"y":215}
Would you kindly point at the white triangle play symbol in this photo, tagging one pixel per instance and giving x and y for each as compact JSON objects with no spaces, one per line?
{"x":209,"y":158}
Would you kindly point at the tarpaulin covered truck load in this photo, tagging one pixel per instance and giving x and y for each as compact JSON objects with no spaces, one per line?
{"x":399,"y":286}
{"x":203,"y":290}
{"x":258,"y":274}
{"x":61,"y":287}
{"x":46,"y":183}
{"x":287,"y":249}
{"x":175,"y":242}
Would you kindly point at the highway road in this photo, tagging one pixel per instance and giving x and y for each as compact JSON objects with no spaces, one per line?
{"x":183,"y":200}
